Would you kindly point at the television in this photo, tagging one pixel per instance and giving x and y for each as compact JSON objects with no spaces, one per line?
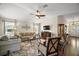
{"x":47,"y":27}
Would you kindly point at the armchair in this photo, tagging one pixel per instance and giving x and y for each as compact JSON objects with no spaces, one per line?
{"x":51,"y":46}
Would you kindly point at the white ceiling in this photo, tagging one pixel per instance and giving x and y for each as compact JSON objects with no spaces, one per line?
{"x":21,"y":11}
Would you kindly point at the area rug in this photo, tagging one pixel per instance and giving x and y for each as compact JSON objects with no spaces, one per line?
{"x":27,"y":49}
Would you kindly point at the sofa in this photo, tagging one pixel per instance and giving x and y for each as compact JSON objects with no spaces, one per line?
{"x":9,"y":45}
{"x":25,"y":36}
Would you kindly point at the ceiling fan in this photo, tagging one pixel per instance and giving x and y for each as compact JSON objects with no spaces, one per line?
{"x":39,"y":12}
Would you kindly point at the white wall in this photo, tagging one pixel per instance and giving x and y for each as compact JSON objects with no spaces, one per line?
{"x":50,"y":20}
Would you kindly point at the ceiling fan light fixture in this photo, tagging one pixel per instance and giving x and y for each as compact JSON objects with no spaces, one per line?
{"x":40,"y":15}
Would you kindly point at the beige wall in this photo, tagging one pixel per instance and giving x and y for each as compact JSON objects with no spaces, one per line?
{"x":61,"y":20}
{"x":1,"y":27}
{"x":21,"y":24}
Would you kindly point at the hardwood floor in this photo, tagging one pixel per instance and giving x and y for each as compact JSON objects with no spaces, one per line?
{"x":72,"y":49}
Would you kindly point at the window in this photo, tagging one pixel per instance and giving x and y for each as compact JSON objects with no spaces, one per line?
{"x":73,"y":27}
{"x":9,"y":28}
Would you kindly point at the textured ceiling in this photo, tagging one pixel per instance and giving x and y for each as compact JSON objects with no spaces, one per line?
{"x":21,"y":11}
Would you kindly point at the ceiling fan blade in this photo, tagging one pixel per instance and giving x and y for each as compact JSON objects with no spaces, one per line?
{"x":44,"y":6}
{"x":32,"y":14}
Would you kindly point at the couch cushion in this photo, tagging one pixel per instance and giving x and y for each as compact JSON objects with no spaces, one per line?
{"x":11,"y":41}
{"x":4,"y":38}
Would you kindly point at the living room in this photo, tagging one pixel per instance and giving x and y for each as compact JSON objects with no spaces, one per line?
{"x":24,"y":25}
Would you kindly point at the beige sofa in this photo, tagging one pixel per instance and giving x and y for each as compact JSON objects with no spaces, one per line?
{"x":25,"y":36}
{"x":9,"y":45}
